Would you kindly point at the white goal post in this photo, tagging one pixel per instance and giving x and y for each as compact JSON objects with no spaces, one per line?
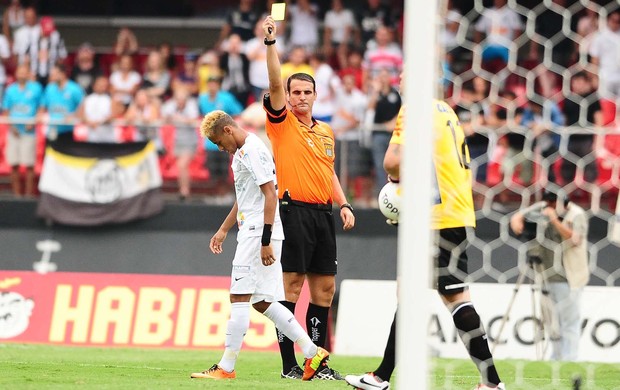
{"x":414,"y":239}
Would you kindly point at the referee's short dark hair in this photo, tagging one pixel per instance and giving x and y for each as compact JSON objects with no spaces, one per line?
{"x":302,"y":77}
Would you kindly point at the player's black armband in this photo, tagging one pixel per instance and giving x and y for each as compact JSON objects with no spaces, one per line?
{"x":266,"y":238}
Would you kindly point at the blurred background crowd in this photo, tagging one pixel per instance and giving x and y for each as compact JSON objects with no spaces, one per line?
{"x":536,"y":87}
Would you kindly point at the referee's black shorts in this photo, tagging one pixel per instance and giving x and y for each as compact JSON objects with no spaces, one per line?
{"x":309,"y":239}
{"x":451,"y":260}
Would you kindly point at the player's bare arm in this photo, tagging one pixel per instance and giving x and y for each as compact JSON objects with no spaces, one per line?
{"x":391,"y":161}
{"x":276,"y":86}
{"x":271,"y":202}
{"x":218,"y":238}
{"x":346,"y":215}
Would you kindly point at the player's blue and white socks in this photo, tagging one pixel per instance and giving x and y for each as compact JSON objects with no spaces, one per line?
{"x":236,"y":329}
{"x":285,"y":321}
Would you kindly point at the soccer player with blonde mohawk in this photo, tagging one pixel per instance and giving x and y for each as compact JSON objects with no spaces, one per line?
{"x":256,"y":269}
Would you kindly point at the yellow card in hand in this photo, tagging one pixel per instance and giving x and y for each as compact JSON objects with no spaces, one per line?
{"x":278,"y":11}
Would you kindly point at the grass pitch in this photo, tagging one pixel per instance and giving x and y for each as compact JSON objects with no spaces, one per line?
{"x":44,"y":366}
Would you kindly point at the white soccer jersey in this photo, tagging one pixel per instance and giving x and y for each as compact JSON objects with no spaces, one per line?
{"x":252,"y":167}
{"x":499,"y":25}
{"x":606,"y":47}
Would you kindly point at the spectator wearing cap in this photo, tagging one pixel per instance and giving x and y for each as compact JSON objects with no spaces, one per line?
{"x":85,"y":69}
{"x":47,"y":51}
{"x":217,"y":99}
{"x":208,"y":67}
{"x":188,"y":74}
{"x":235,"y":67}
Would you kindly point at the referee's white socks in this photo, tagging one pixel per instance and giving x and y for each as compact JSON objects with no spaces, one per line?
{"x":285,"y":321}
{"x":237,"y":327}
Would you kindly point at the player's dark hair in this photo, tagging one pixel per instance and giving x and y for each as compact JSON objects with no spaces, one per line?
{"x":302,"y":77}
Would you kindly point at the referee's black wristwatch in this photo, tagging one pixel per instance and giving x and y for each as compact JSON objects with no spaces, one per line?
{"x":346,"y":205}
{"x":268,"y":42}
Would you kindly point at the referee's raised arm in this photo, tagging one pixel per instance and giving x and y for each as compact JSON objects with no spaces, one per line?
{"x":276,"y":87}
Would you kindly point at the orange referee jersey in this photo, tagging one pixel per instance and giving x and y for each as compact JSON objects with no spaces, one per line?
{"x":304,"y":156}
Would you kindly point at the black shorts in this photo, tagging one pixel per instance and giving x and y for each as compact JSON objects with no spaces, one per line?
{"x":310,"y":239}
{"x":451,"y":260}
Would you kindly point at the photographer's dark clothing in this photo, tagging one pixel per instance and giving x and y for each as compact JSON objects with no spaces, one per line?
{"x":548,"y":249}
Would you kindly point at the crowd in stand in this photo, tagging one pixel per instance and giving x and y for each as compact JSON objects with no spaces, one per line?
{"x":549,"y":92}
{"x":356,"y":59}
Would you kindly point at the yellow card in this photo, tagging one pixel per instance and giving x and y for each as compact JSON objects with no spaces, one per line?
{"x":278,"y":11}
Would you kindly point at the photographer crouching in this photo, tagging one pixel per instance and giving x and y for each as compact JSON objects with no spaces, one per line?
{"x":561,"y":254}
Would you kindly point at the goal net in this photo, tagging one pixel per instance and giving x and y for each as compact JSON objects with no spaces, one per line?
{"x":536,"y":85}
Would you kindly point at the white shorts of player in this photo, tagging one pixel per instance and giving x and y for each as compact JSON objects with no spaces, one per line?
{"x":250,"y":276}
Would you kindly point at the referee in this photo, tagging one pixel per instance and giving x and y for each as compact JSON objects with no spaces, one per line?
{"x":307,"y":186}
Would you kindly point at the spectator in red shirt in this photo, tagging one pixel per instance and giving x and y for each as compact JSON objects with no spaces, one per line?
{"x":354,"y":68}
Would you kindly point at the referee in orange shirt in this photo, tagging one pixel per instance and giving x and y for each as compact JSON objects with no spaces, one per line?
{"x":307,"y":186}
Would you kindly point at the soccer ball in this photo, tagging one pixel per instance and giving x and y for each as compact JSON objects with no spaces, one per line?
{"x":389,"y":201}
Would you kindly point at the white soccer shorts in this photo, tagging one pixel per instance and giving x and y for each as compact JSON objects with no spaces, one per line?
{"x":250,"y":276}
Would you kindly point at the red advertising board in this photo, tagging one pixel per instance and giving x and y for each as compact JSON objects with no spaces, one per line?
{"x":96,"y":309}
